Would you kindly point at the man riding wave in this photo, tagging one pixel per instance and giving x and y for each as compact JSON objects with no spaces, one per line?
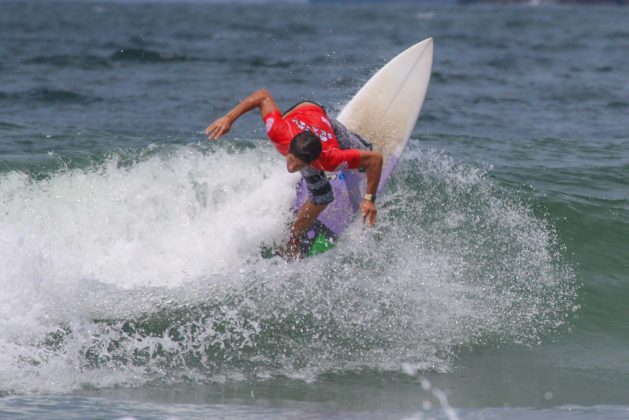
{"x":312,"y":143}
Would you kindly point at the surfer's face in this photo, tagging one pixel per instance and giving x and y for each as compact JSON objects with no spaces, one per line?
{"x":294,"y":164}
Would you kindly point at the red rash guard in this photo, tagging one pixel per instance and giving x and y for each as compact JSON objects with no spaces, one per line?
{"x":310,"y":117}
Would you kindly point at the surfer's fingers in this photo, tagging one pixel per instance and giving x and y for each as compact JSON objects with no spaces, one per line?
{"x":372,"y":218}
{"x":215,"y":131}
{"x":209,"y":131}
{"x":222,"y":128}
{"x":369,"y":212}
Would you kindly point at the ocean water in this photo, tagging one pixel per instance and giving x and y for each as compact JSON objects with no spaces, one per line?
{"x":495,"y":284}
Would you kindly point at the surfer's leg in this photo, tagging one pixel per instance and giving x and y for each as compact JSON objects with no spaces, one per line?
{"x":318,"y":186}
{"x":320,"y":196}
{"x":348,"y":139}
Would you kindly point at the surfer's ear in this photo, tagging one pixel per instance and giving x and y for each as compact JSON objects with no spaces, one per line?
{"x":306,"y":146}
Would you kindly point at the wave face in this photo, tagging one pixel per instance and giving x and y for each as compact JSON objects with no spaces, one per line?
{"x":146,"y":267}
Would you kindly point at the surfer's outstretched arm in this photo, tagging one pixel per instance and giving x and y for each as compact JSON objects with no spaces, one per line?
{"x":259,"y":99}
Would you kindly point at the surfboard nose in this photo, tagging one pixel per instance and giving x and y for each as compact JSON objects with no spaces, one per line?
{"x":428,"y":43}
{"x":431,"y":44}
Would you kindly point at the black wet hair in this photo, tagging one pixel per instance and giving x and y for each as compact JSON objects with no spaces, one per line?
{"x":305,"y":146}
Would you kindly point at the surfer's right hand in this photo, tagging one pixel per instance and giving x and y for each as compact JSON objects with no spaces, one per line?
{"x":369,"y":212}
{"x":218,"y":128}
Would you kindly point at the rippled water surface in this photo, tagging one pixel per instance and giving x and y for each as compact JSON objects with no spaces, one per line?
{"x":494,"y":286}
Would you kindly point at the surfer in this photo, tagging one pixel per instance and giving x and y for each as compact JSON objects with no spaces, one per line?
{"x":312,"y":143}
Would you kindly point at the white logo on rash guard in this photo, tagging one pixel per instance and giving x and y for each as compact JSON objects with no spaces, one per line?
{"x":269,"y":124}
{"x":322,"y":134}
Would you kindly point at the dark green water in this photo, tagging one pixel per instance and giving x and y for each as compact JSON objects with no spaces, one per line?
{"x":495,"y":284}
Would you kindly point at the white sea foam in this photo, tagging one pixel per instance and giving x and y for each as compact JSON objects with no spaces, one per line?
{"x":160,"y":222}
{"x":174,"y":239}
{"x":98,"y":242}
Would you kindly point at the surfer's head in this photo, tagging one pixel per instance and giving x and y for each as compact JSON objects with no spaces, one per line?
{"x":304,"y":148}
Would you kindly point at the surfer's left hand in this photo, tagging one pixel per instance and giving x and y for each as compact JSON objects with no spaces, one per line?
{"x":369,"y":212}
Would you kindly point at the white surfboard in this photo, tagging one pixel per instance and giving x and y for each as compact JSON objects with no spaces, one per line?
{"x":384,"y":112}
